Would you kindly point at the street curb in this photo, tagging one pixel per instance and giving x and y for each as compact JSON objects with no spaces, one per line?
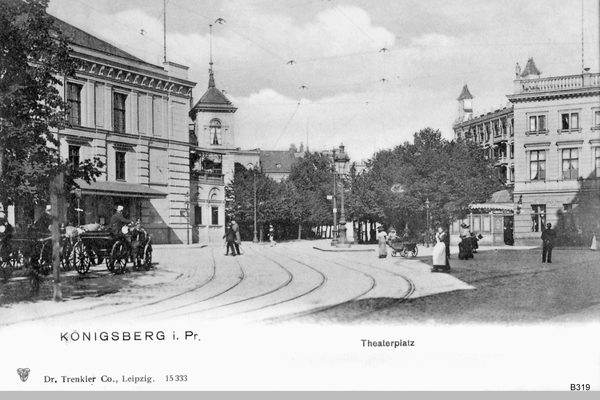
{"x":341,"y":250}
{"x":179,"y":246}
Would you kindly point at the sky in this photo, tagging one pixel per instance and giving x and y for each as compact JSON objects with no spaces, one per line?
{"x":365,"y":73}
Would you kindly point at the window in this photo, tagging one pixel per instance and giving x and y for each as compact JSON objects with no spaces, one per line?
{"x":74,"y":157}
{"x":538,"y":217}
{"x":119,"y":112}
{"x":597,"y":119}
{"x":569,"y":121}
{"x":512,"y":174}
{"x":74,"y":102}
{"x":537,"y":165}
{"x":197,"y":215}
{"x":512,"y":150}
{"x":570,"y":164}
{"x":537,"y":123}
{"x":120,"y":165}
{"x":215,"y":215}
{"x":215,"y":132}
{"x":597,"y":161}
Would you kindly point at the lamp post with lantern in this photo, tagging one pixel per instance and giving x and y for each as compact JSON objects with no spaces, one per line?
{"x":334,"y":236}
{"x":341,"y":160}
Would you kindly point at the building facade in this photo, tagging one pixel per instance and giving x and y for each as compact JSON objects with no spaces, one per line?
{"x":494,"y":131}
{"x":133,"y":116}
{"x":548,"y":142}
{"x":557,"y":165}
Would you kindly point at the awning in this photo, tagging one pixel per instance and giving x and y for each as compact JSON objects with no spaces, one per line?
{"x":493,"y":206}
{"x":121,"y":189}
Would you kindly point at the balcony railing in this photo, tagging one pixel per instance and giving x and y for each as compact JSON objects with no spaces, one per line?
{"x":557,"y":83}
{"x":208,"y":177}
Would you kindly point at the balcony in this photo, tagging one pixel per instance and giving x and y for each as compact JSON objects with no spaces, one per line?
{"x":214,"y":178}
{"x":557,"y":83}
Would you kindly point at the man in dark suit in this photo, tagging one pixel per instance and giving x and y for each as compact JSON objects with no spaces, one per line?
{"x":118,"y":221}
{"x":548,"y":239}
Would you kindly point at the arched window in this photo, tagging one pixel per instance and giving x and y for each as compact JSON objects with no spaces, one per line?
{"x":215,"y":132}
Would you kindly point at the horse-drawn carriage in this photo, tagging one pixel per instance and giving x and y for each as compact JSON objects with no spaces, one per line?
{"x":30,"y":249}
{"x":79,"y":249}
{"x":133,"y":245}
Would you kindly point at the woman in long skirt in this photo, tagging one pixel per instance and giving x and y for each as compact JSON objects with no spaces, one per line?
{"x":440,"y":259}
{"x":382,"y":239}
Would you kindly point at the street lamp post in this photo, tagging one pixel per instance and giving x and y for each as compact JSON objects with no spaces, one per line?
{"x":334,"y":239}
{"x":255,"y":238}
{"x":341,"y":159}
{"x":427,"y":225}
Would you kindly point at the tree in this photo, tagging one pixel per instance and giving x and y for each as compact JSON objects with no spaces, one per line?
{"x":34,"y":58}
{"x":450,"y":174}
{"x":312,"y":181}
{"x":239,"y":196}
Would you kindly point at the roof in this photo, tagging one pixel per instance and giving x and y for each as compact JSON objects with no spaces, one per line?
{"x":213,"y":97}
{"x":277,"y":161}
{"x":106,"y":188}
{"x":501,"y":196}
{"x":530,"y":69}
{"x":465,"y":94}
{"x":81,"y":38}
{"x":501,"y":200}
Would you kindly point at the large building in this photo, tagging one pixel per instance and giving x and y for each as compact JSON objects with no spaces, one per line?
{"x":133,"y":116}
{"x":557,"y":162}
{"x":548,"y":143}
{"x":494,"y":131}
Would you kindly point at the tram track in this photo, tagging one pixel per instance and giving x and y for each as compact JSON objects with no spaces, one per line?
{"x":290,"y":278}
{"x":118,"y":302}
{"x":321,"y":309}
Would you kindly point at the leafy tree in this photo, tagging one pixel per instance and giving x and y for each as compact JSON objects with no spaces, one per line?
{"x":34,"y":58}
{"x":312,"y":181}
{"x":450,"y":174}
{"x":239,"y":195}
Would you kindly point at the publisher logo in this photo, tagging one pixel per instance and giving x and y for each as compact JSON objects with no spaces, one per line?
{"x":23,"y":373}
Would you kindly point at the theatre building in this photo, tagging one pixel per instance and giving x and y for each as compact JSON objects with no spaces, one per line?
{"x":133,"y":116}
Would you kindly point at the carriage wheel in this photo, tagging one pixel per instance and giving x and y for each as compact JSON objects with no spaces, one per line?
{"x":6,"y":262}
{"x":109,"y":265}
{"x":395,"y":253}
{"x":147,"y":257}
{"x":18,"y":260}
{"x":45,"y":260}
{"x":81,"y":261}
{"x":404,"y":252}
{"x":118,"y":257}
{"x":415,"y":251}
{"x":66,"y":255}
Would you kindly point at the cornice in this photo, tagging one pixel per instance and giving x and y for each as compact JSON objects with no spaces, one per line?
{"x":116,"y":74}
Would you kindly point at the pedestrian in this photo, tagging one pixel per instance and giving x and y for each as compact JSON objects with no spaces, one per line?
{"x":382,"y":239}
{"x":446,"y":238}
{"x":44,"y":222}
{"x":465,"y":246}
{"x":238,"y":237}
{"x":440,"y":260}
{"x":272,"y":235}
{"x":229,"y":240}
{"x":6,"y":228}
{"x":548,"y":240}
